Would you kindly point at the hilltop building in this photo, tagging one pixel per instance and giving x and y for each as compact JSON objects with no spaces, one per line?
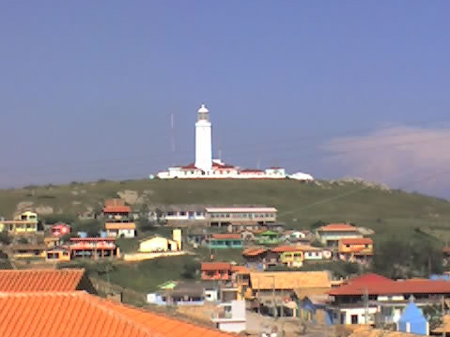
{"x":205,"y":167}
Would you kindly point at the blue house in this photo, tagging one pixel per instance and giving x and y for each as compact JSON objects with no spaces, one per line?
{"x":313,"y":308}
{"x":413,"y":321}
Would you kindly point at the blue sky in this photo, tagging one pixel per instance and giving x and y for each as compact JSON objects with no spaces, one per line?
{"x":87,"y":88}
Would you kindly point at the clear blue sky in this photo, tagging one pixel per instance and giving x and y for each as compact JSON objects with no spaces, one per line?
{"x":87,"y":88}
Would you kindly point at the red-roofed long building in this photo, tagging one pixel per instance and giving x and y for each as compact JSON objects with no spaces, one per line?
{"x":371,"y":299}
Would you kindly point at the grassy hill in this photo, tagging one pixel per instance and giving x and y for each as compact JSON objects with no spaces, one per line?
{"x":388,"y":212}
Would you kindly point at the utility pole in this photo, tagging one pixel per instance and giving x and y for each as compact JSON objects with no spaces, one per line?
{"x":443,"y":315}
{"x":366,"y":306}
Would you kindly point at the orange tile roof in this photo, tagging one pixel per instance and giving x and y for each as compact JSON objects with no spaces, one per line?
{"x":226,"y":236}
{"x":40,"y":280}
{"x":290,"y":280}
{"x":120,"y":225}
{"x":254,"y":251}
{"x":338,"y":228}
{"x":216,"y":266}
{"x":72,"y":314}
{"x":357,"y":241}
{"x":284,"y":249}
{"x":117,"y":209}
{"x":239,"y":269}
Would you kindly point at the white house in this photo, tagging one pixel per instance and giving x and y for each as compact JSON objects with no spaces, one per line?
{"x":231,"y":316}
{"x":120,"y":229}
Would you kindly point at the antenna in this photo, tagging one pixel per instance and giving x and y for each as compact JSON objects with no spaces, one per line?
{"x":172,"y":136}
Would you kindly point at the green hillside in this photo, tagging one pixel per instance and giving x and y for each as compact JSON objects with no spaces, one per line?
{"x":388,"y":212}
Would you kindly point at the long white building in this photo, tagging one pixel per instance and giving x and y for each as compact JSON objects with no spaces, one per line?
{"x":205,"y":167}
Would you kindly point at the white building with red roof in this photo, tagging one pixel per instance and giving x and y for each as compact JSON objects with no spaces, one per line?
{"x":205,"y":167}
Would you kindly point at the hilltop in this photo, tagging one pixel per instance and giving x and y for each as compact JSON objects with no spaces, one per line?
{"x":388,"y":212}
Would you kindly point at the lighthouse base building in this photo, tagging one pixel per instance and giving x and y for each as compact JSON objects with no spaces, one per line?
{"x":205,"y":167}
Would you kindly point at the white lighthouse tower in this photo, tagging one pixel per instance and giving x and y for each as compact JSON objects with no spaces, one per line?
{"x":203,"y":146}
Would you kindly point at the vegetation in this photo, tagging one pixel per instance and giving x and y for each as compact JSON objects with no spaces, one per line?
{"x":300,"y":205}
{"x":396,"y":258}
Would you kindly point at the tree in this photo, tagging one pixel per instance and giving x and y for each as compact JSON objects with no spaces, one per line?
{"x":4,"y":238}
{"x":190,"y":270}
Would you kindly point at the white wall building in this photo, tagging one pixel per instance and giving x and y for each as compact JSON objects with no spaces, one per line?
{"x":231,"y":316}
{"x":205,"y":167}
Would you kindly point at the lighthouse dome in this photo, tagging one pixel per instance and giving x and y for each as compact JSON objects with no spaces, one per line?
{"x":203,"y":109}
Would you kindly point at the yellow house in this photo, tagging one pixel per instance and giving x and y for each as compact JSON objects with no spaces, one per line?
{"x":26,"y":222}
{"x":57,"y":255}
{"x":24,"y":251}
{"x":161,"y":244}
{"x":290,"y":256}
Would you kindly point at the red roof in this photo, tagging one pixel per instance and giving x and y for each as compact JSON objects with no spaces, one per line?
{"x":190,"y":167}
{"x":369,"y":278}
{"x":40,"y":280}
{"x":117,"y":209}
{"x":226,"y":236}
{"x":251,"y":171}
{"x":92,"y":239}
{"x":342,"y":227}
{"x":357,"y":241}
{"x":254,"y":251}
{"x":283,"y":249}
{"x":211,"y":266}
{"x":393,"y":288}
{"x":59,"y":314}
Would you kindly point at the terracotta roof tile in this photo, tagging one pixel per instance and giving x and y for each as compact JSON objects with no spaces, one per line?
{"x":290,"y":280}
{"x":284,"y":249}
{"x":216,"y":266}
{"x":120,"y":225}
{"x":393,"y":288}
{"x":226,"y":236}
{"x":117,"y":209}
{"x":356,"y":241}
{"x":40,"y":280}
{"x":79,"y":314}
{"x":254,"y":251}
{"x":338,"y":228}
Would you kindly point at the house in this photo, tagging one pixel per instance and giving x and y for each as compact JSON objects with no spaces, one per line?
{"x":118,"y":219}
{"x":43,"y":280}
{"x":225,"y":216}
{"x":179,"y":214}
{"x":313,"y":308}
{"x":55,"y":314}
{"x":180,"y":294}
{"x":374,"y":299}
{"x":215,"y":271}
{"x":160,"y":244}
{"x":52,"y":241}
{"x":94,"y":248}
{"x":60,"y":229}
{"x":290,"y":256}
{"x":58,"y":254}
{"x":120,"y":229}
{"x":275,"y":291}
{"x":330,"y":235}
{"x":311,"y":253}
{"x":268,"y":237}
{"x":356,"y":249}
{"x":413,"y":321}
{"x":220,"y":241}
{"x":24,"y":223}
{"x":29,"y":250}
{"x":230,"y":316}
{"x":255,"y":258}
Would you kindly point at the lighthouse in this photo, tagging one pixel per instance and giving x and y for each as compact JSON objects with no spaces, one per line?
{"x":203,"y":146}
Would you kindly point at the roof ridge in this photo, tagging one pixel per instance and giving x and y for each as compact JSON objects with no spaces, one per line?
{"x":98,"y":304}
{"x":41,"y":270}
{"x":143,"y":311}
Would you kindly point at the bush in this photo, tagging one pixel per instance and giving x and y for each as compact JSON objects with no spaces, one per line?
{"x":190,"y":270}
{"x":4,"y":238}
{"x":51,"y":219}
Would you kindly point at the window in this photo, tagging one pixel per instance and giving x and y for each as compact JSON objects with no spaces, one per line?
{"x":182,"y":213}
{"x":348,"y":246}
{"x":354,"y":319}
{"x":170,"y":213}
{"x":199,"y":213}
{"x":367,"y":246}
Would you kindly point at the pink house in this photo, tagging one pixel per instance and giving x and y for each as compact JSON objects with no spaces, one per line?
{"x":60,"y":229}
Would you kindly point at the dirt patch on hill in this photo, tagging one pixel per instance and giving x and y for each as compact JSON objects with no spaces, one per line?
{"x":130,"y":197}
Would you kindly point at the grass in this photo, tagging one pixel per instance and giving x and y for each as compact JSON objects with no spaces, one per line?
{"x":145,"y":276}
{"x":387,"y":212}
